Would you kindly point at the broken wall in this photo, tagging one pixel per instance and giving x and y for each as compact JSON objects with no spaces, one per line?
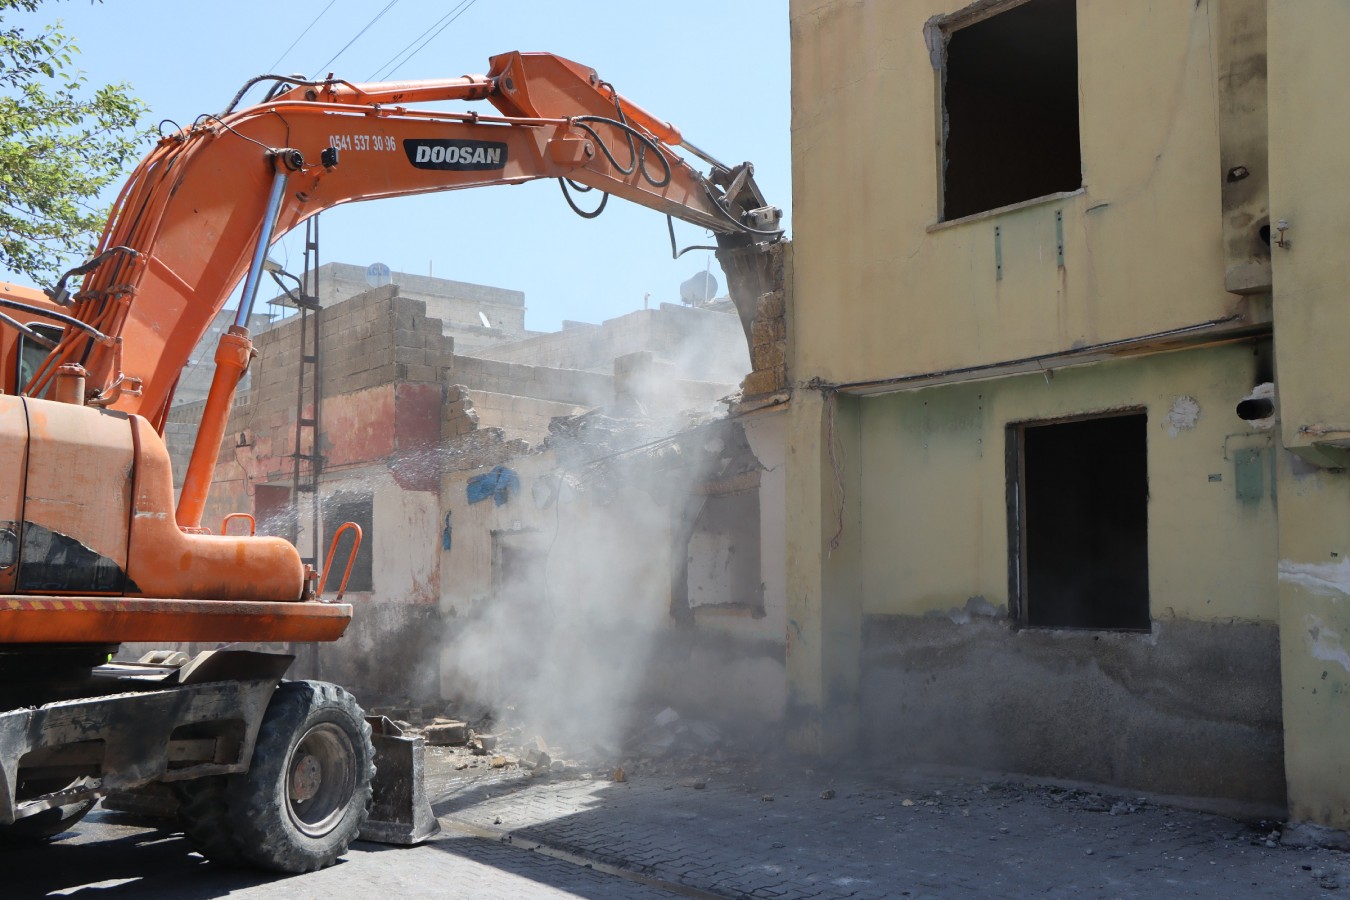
{"x":562,"y":591}
{"x":700,"y":344}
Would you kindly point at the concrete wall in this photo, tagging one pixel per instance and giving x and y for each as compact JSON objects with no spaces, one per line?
{"x":899,"y":568}
{"x":1308,"y":190}
{"x":888,"y":289}
{"x":946,"y":674}
{"x":456,"y":304}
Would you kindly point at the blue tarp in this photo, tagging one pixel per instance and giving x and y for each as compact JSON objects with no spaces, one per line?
{"x":498,"y":484}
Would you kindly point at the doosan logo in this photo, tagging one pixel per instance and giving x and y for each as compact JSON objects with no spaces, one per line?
{"x":462,"y":156}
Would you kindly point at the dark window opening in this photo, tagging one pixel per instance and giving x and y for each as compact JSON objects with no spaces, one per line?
{"x":721,"y":557}
{"x":1080,"y":521}
{"x":519,"y":570}
{"x":1010,"y":105}
{"x":31,"y":354}
{"x":274,"y":513}
{"x":337,"y":510}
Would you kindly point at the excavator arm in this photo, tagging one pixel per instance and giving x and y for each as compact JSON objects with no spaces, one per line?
{"x":200,"y":210}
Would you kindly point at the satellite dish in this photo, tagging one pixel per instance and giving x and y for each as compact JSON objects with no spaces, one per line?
{"x":699,"y":289}
{"x":378,"y":275}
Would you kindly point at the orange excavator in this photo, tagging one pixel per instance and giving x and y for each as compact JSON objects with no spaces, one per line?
{"x":93,"y":550}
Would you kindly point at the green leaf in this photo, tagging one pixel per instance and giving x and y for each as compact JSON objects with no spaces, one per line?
{"x":61,"y":143}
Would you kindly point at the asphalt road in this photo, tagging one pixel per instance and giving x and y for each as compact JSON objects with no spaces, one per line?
{"x":114,"y":856}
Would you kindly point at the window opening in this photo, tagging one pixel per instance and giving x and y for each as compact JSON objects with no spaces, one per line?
{"x":722,"y":555}
{"x":274,"y":512}
{"x":1010,"y":107}
{"x":1079,"y":519}
{"x":337,"y":510}
{"x":31,"y":354}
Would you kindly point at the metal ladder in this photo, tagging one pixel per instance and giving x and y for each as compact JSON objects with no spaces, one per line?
{"x":307,"y":460}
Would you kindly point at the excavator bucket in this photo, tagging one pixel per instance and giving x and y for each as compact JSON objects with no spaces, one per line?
{"x":400,"y":812}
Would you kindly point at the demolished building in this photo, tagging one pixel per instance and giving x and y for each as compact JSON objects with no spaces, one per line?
{"x":409,"y":431}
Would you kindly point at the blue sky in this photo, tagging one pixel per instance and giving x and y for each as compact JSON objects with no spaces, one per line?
{"x":718,"y":69}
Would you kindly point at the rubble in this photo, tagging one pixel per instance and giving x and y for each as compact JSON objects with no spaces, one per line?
{"x":445,"y":733}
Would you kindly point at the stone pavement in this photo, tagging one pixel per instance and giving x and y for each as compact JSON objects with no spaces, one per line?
{"x":797,"y":834}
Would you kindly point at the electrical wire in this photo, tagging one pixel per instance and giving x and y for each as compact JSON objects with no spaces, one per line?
{"x":302,"y":34}
{"x":230,"y":128}
{"x":388,"y":6}
{"x":430,"y":39}
{"x":453,"y":14}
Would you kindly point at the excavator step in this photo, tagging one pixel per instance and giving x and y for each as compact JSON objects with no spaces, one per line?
{"x":107,"y":620}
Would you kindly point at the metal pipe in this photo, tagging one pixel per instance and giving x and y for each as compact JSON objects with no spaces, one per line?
{"x":269,"y":226}
{"x":706,"y":157}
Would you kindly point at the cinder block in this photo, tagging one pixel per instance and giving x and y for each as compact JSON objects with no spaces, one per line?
{"x":422,"y":372}
{"x":768,"y":356}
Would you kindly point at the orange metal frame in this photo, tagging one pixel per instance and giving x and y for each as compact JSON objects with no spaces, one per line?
{"x":194,"y":208}
{"x":113,"y":620}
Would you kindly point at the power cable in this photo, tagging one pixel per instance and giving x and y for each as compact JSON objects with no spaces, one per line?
{"x":302,"y":34}
{"x":432,"y":38}
{"x":388,"y":6}
{"x":458,"y":8}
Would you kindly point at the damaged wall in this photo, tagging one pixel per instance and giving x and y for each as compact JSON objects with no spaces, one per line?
{"x":1191,"y":706}
{"x":400,"y":410}
{"x":929,"y":346}
{"x":561,"y":598}
{"x":886,"y":288}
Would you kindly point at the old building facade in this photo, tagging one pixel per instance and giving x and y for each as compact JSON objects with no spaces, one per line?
{"x":1044,"y":249}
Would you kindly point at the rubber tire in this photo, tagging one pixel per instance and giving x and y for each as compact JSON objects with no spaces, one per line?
{"x":203,"y":817}
{"x":262,"y":822}
{"x":46,"y":824}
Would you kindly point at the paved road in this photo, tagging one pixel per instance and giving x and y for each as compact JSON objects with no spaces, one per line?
{"x":772,"y":836}
{"x":112,"y":856}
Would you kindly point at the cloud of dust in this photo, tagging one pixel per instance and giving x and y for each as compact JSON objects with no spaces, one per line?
{"x":581,"y":592}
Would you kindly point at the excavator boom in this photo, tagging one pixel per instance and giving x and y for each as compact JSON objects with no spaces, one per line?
{"x":188,"y":223}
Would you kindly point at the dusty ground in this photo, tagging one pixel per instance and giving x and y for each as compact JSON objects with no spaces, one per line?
{"x":694,"y":817}
{"x":679,"y":808}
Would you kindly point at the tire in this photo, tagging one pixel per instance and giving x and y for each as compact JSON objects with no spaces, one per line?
{"x":308,"y":790}
{"x":202,"y":815}
{"x":46,"y":824}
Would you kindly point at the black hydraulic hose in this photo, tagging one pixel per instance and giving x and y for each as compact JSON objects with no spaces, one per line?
{"x":281,"y":79}
{"x":63,"y":319}
{"x":582,"y":189}
{"x":639,"y":156}
{"x":26,"y":331}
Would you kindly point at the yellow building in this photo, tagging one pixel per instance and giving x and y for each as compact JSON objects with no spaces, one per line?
{"x":1043,"y":250}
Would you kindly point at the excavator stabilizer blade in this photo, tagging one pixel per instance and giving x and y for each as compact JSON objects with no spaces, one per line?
{"x":400,"y":812}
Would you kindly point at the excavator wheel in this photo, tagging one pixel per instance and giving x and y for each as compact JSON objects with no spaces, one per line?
{"x":308,"y":791}
{"x":202,"y":815}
